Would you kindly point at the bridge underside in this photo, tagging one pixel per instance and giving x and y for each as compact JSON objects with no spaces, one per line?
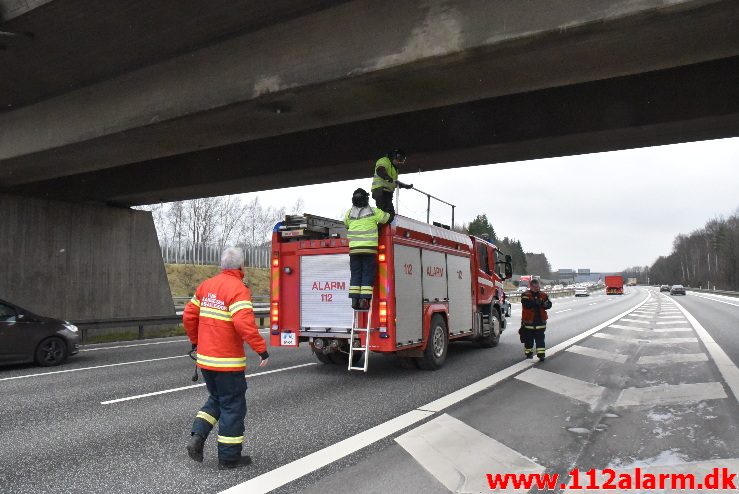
{"x":677,"y":105}
{"x":313,"y":90}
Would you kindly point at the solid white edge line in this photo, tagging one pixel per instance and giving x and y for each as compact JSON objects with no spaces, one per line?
{"x":165,"y":391}
{"x":269,"y":481}
{"x":91,"y":368}
{"x":299,"y":468}
{"x":726,"y":367}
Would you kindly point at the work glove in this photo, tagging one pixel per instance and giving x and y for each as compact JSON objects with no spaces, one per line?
{"x":264,"y":359}
{"x":194,"y":347}
{"x":407,"y":186}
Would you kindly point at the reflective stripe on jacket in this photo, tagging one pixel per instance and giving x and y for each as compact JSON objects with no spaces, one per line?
{"x":533,"y":317}
{"x":361,"y":224}
{"x":380,"y":183}
{"x":219,"y":319}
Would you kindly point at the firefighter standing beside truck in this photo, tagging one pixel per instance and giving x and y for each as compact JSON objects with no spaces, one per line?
{"x":218,"y":320}
{"x":362,"y":232}
{"x":386,"y":179}
{"x":534,"y":320}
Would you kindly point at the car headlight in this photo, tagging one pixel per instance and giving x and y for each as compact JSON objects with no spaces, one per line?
{"x":70,"y":327}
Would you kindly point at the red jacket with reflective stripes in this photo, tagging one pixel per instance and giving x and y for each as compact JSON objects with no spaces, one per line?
{"x":219,"y":319}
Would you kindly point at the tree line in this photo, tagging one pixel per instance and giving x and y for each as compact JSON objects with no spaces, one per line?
{"x":707,"y":257}
{"x":222,"y":221}
{"x":523,"y":262}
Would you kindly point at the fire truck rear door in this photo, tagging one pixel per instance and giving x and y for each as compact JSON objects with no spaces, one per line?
{"x":408,"y":295}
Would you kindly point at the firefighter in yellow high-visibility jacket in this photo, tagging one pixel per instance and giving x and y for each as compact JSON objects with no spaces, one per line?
{"x":362,"y":231}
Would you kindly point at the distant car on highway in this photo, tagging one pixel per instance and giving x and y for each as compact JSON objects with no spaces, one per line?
{"x":677,"y":290}
{"x":27,"y":337}
{"x":558,"y":287}
{"x":664,"y":288}
{"x":521,"y":289}
{"x":581,"y":291}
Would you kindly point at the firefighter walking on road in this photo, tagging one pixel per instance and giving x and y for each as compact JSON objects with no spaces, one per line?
{"x":534,"y":320}
{"x":218,"y":320}
{"x":386,"y":179}
{"x":362,"y":231}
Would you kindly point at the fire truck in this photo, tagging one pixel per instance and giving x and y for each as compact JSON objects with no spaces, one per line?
{"x":433,"y":286}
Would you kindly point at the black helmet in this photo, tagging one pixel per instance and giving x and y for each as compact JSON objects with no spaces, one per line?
{"x":360,"y":198}
{"x":397,"y":154}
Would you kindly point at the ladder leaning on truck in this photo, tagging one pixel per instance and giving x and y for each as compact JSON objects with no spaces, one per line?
{"x":434,"y":285}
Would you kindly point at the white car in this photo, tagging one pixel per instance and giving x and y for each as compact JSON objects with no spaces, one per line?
{"x":521,"y":289}
{"x":581,"y":291}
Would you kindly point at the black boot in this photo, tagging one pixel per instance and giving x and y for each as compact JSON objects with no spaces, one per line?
{"x":355,"y":303}
{"x":364,"y":304}
{"x":195,"y":447}
{"x":542,"y":357}
{"x":241,"y":462}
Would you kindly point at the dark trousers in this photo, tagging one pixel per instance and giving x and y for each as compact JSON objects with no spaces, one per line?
{"x":384,"y":200}
{"x":363,"y":268}
{"x":227,"y":406}
{"x":533,"y":337}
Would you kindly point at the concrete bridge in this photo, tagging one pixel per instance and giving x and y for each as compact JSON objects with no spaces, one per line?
{"x":132,"y":103}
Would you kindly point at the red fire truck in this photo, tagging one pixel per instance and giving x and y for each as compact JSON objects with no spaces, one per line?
{"x":434,"y":286}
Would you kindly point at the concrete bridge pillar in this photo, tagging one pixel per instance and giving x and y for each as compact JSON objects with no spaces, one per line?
{"x":81,"y":261}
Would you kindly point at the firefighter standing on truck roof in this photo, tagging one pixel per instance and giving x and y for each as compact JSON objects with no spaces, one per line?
{"x":219,"y":319}
{"x":386,"y":179}
{"x":361,"y":223}
{"x":534,"y":320}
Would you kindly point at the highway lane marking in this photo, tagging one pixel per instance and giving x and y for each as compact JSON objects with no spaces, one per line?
{"x":621,"y":326}
{"x":672,"y":358}
{"x":593,"y":303}
{"x":595,"y":353}
{"x":455,"y":454}
{"x":173,"y":390}
{"x":666,"y":394}
{"x":628,"y":339}
{"x":671,"y":317}
{"x":560,"y":311}
{"x":726,"y":367}
{"x":671,"y":322}
{"x":671,"y":330}
{"x":714,"y":299}
{"x":645,"y":316}
{"x":269,"y":481}
{"x":92,"y":368}
{"x":639,"y":321}
{"x":563,"y":385}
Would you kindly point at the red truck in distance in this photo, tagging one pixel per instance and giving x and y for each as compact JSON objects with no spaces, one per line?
{"x":614,"y":285}
{"x":433,"y":286}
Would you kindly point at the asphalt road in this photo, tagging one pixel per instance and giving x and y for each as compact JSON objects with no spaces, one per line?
{"x":58,"y":436}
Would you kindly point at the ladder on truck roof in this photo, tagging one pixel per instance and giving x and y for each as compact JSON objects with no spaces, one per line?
{"x":303,"y":226}
{"x":356,"y":332}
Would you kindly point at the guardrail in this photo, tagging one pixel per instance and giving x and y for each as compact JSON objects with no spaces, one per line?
{"x":91,"y":325}
{"x":716,"y":292}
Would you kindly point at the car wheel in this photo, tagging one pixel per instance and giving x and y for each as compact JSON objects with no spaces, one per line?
{"x":51,"y":351}
{"x":436,"y":349}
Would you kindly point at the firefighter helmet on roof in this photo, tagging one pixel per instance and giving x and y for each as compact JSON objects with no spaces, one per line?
{"x":397,"y":154}
{"x":360,"y":198}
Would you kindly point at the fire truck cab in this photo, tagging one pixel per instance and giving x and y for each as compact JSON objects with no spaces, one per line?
{"x":433,"y":286}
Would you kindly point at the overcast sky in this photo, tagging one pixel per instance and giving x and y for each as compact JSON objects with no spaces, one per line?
{"x":603,"y":211}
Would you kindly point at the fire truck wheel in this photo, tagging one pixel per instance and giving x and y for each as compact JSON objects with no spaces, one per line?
{"x":494,"y":337}
{"x":438,"y":344}
{"x":323,"y":358}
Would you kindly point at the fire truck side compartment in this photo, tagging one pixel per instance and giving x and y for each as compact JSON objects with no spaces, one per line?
{"x":408,"y":291}
{"x":460,"y":294}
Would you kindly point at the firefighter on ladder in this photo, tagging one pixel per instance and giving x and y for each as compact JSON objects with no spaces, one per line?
{"x":218,"y":320}
{"x":386,"y":179}
{"x":534,"y":320}
{"x":362,"y":232}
